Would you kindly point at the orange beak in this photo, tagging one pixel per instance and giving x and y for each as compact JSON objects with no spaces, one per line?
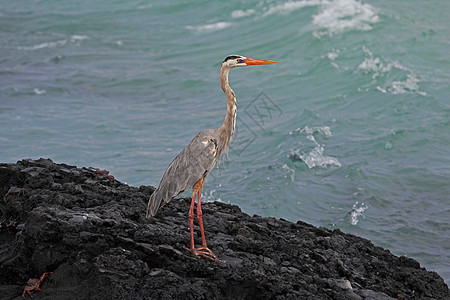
{"x":252,"y":62}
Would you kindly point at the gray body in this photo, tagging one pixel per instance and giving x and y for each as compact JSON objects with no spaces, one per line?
{"x":194,"y":162}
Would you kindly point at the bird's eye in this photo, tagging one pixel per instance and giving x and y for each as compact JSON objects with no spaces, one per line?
{"x":239,"y":61}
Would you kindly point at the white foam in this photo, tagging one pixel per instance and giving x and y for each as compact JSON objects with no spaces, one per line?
{"x":378,"y":67}
{"x":388,"y":145}
{"x":325,"y":130}
{"x":60,"y":43}
{"x":291,"y":6}
{"x":44,"y":45}
{"x":338,"y":16}
{"x":39,"y":92}
{"x":332,"y":55}
{"x":406,"y":87}
{"x":334,"y":16}
{"x":75,"y":38}
{"x":210,"y":197}
{"x":289,"y":172}
{"x":375,"y":65}
{"x":315,"y":157}
{"x":357,"y":211}
{"x":210,"y":27}
{"x":242,"y":13}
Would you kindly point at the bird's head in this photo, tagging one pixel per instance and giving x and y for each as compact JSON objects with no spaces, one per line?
{"x":242,"y":61}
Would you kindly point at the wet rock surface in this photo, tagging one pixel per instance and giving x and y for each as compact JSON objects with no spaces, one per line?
{"x":91,"y":232}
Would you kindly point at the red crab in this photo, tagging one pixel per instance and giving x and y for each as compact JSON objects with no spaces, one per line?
{"x":103,"y":173}
{"x":33,"y":284}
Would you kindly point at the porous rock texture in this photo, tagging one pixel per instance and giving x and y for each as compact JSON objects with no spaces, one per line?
{"x":91,"y":232}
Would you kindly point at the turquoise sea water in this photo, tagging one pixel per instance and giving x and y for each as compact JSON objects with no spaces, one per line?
{"x":349,"y":130}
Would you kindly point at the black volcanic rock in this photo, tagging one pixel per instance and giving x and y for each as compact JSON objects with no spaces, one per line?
{"x":91,"y":232}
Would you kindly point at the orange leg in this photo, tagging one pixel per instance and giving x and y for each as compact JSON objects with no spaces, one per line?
{"x":191,"y":220}
{"x":203,"y":250}
{"x":199,"y":217}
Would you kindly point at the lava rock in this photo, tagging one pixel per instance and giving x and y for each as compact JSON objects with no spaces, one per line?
{"x":90,"y":230}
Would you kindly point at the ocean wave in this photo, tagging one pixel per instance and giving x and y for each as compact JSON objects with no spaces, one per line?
{"x":335,"y":16}
{"x":379,"y":68}
{"x":242,"y":13}
{"x":325,"y":130}
{"x":344,"y":15}
{"x":210,"y":27}
{"x":316,"y":158}
{"x":409,"y":86}
{"x":313,"y":157}
{"x":357,"y":211}
{"x":44,"y":45}
{"x":291,"y":6}
{"x":39,"y":92}
{"x":288,"y":172}
{"x":74,"y":39}
{"x":376,"y":65}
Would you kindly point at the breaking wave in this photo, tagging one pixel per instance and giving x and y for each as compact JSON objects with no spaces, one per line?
{"x":344,"y":15}
{"x":357,"y":211}
{"x":210,"y":27}
{"x":378,"y":68}
{"x":313,"y":157}
{"x":334,"y":16}
{"x":74,"y":39}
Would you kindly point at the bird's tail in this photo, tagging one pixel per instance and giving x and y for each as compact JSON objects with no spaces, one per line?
{"x":154,"y":203}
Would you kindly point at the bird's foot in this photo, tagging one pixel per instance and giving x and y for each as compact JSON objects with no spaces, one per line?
{"x":205,"y":252}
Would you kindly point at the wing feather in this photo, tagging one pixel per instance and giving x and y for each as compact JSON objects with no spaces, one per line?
{"x":195,"y":161}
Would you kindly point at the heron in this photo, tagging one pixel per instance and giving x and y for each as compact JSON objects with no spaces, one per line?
{"x":192,"y":165}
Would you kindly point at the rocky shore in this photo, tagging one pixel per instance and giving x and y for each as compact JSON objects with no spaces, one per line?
{"x":90,"y":230}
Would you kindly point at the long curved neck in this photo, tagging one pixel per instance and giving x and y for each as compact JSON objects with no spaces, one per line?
{"x":229,"y":124}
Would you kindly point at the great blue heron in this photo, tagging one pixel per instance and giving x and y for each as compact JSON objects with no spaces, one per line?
{"x":195,"y":162}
